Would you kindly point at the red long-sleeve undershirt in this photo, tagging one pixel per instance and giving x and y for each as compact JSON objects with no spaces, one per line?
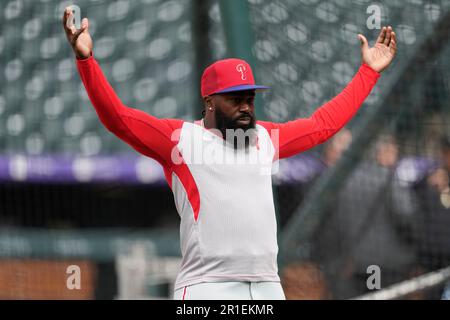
{"x":152,"y":136}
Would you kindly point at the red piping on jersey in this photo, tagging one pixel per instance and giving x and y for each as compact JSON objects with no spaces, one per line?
{"x":188,"y":182}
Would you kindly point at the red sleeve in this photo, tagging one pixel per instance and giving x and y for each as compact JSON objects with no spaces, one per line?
{"x":302,"y":134}
{"x":146,"y":134}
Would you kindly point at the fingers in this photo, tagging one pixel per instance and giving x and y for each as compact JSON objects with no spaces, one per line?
{"x":69,"y":27}
{"x":387,"y":39}
{"x":386,"y":36}
{"x":65,"y":19}
{"x":382,"y":35}
{"x":85,"y":23}
{"x":393,"y":43}
{"x":65,"y":16}
{"x":68,"y":18}
{"x":364,"y":42}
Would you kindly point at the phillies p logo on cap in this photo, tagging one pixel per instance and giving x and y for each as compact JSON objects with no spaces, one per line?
{"x":241,"y":68}
{"x":228,"y":75}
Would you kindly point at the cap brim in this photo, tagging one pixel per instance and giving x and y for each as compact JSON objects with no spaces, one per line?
{"x":244,"y":88}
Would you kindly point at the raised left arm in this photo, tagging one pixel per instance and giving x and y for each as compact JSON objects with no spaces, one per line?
{"x":302,"y":134}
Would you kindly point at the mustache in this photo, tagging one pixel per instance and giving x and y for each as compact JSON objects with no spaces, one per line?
{"x":246,"y":115}
{"x":224,"y":122}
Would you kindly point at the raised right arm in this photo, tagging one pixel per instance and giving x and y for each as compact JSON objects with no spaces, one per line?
{"x":146,"y":134}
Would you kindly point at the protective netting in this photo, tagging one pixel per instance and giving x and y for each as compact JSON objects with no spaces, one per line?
{"x":390,"y":207}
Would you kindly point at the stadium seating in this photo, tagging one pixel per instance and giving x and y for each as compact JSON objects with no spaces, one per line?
{"x":308,"y":49}
{"x":144,"y":48}
{"x":146,"y":51}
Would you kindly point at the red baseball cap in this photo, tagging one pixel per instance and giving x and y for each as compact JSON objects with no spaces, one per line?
{"x":228,"y":75}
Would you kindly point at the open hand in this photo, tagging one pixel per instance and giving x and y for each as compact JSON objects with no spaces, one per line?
{"x":380,"y":56}
{"x":80,"y":39}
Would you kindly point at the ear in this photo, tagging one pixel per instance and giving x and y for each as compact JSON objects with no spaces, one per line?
{"x":208,"y":101}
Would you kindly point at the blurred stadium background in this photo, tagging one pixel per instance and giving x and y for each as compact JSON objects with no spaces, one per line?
{"x":72,"y":194}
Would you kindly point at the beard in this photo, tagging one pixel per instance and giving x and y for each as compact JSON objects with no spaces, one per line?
{"x":237,"y":134}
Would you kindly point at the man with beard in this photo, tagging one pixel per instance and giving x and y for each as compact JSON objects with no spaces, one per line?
{"x":228,"y":227}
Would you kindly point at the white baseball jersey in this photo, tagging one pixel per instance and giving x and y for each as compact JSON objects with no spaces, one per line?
{"x":231,"y":235}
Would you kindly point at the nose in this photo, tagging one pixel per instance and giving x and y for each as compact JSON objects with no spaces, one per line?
{"x":245,"y":107}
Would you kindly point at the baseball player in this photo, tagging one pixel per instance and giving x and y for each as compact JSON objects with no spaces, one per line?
{"x":228,"y":227}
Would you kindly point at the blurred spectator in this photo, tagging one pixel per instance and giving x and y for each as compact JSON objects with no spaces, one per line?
{"x":304,"y":281}
{"x":364,"y":228}
{"x":302,"y":171}
{"x":334,"y":149}
{"x":433,"y":214}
